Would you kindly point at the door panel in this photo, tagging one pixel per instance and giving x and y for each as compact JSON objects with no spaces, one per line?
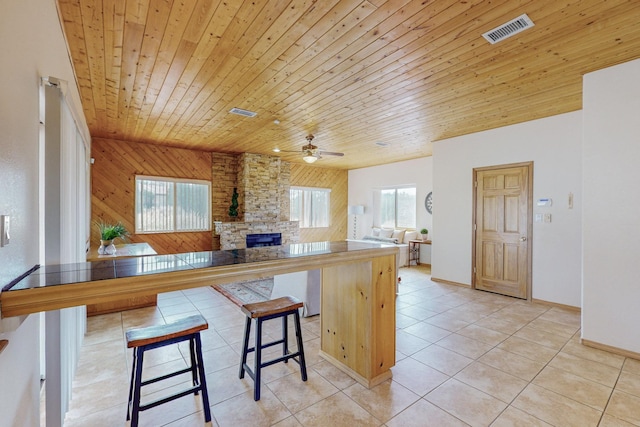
{"x":503,"y":210}
{"x":490,"y":218}
{"x":511,"y":217}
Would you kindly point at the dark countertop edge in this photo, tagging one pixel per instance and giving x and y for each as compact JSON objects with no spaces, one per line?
{"x":19,"y":278}
{"x":184,"y":258}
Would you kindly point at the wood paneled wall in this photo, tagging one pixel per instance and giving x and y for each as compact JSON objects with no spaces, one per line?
{"x":335,"y":179}
{"x":113,"y":190}
{"x":113,"y":187}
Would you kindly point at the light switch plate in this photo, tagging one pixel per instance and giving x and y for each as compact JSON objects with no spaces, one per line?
{"x":5,"y":228}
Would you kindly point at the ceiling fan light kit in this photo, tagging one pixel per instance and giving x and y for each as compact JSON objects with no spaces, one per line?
{"x":310,"y":152}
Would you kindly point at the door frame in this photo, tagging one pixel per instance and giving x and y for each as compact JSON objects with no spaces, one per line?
{"x":529,"y":222}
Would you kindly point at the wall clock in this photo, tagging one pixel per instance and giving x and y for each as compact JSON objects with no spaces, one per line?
{"x":428,"y":202}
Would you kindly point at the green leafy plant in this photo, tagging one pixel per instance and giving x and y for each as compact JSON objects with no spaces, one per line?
{"x":233,"y":209}
{"x":112,"y":231}
{"x":424,"y":231}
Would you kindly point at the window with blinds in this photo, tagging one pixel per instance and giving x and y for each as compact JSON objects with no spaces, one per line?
{"x":398,"y":207}
{"x":310,"y":206}
{"x":165,"y":205}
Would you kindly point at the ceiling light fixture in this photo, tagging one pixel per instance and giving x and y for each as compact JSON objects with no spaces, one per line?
{"x":309,"y":158}
{"x":276,"y":150}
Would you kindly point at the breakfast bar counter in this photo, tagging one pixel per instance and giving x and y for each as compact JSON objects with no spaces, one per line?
{"x":358,"y":291}
{"x":126,"y":250}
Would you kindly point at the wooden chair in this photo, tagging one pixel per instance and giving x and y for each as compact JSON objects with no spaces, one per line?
{"x":143,"y":339}
{"x":261,"y":311}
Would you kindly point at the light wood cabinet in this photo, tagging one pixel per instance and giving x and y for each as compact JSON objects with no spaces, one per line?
{"x":358,"y":318}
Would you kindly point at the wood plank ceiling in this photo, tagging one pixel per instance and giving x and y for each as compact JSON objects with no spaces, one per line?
{"x":353,"y":73}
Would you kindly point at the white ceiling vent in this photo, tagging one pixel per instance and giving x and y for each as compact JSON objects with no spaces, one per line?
{"x":241,"y":112}
{"x":521,"y":23}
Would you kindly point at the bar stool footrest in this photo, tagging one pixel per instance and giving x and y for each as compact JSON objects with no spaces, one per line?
{"x":294,"y":356}
{"x":271,"y":344}
{"x":164,"y":377}
{"x":169,"y":398}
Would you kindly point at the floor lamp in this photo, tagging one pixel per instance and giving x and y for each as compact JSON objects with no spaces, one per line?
{"x":355,"y":210}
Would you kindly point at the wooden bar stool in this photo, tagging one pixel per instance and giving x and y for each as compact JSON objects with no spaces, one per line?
{"x":261,"y":311}
{"x":143,"y":339}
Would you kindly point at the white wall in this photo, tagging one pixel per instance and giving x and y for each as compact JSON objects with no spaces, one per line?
{"x":611,"y":155}
{"x":32,"y":45}
{"x":362,"y":183}
{"x":553,"y":144}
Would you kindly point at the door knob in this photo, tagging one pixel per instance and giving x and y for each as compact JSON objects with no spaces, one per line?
{"x":523,"y":239}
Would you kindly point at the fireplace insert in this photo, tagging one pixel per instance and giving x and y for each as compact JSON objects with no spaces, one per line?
{"x":267,"y":239}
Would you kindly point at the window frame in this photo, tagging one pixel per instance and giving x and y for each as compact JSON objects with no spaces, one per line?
{"x":301,"y":222}
{"x":395,"y":219}
{"x":174,"y":181}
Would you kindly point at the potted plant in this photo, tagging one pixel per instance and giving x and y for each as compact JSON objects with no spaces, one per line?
{"x":108,"y":233}
{"x":424,"y":232}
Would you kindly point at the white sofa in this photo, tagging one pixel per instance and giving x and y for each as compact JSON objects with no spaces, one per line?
{"x":399,"y":238}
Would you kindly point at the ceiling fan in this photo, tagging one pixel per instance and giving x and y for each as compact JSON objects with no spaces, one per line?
{"x":310,"y":152}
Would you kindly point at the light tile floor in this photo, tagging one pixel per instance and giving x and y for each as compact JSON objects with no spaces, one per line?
{"x":464,"y":357}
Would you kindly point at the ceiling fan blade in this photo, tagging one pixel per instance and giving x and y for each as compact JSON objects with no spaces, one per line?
{"x":330,"y":153}
{"x":309,"y":151}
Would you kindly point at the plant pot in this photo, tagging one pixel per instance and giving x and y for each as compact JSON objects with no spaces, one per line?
{"x":106,"y":247}
{"x":425,"y":237}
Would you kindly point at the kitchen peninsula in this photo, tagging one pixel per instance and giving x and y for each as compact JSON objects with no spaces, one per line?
{"x":358,"y":291}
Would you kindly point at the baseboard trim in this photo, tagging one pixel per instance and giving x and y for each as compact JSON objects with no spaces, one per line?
{"x":611,"y":349}
{"x":537,"y":301}
{"x":557,"y":304}
{"x":448,"y":282}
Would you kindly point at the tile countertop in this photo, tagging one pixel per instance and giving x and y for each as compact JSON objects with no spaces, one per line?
{"x":116,"y":268}
{"x":122,"y":251}
{"x":358,"y":277}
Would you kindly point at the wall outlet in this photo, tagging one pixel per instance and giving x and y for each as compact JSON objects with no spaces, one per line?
{"x":5,"y":227}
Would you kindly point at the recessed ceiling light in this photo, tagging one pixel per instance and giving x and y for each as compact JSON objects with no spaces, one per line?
{"x":382,"y":144}
{"x":276,"y":150}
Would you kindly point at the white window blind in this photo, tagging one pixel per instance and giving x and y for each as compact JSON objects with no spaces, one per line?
{"x":165,"y":205}
{"x":397,"y":207}
{"x":310,"y":206}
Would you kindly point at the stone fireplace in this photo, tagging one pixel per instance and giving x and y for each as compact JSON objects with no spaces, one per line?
{"x":263,"y":185}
